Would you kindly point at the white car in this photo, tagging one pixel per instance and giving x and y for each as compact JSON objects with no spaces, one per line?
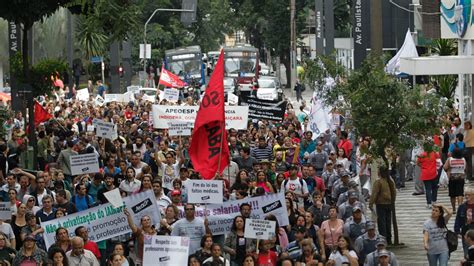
{"x":268,"y":90}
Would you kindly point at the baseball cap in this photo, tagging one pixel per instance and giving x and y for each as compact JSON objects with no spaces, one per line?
{"x":352,"y":183}
{"x":382,"y":242}
{"x":384,"y":253}
{"x":175,"y":192}
{"x":329,"y":162}
{"x":369,"y":225}
{"x":356,"y":208}
{"x":353,"y":195}
{"x":345,"y":173}
{"x":293,"y":167}
{"x":29,"y":237}
{"x":300,"y":229}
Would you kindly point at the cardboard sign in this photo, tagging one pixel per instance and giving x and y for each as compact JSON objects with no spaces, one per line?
{"x":84,"y":164}
{"x":232,"y":99}
{"x":235,"y":116}
{"x":259,"y":229}
{"x":165,"y":250}
{"x":104,"y":221}
{"x":112,"y":97}
{"x":105,"y":129}
{"x":205,"y":191}
{"x":82,"y":94}
{"x":5,"y":211}
{"x":179,"y":129}
{"x":264,"y":109}
{"x":99,"y":101}
{"x":171,"y":95}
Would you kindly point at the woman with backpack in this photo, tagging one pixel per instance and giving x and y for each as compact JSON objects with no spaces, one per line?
{"x":434,"y":236}
{"x":455,"y":168}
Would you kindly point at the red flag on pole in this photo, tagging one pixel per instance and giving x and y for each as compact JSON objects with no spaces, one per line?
{"x":209,"y":152}
{"x":169,"y":79}
{"x":41,"y":115}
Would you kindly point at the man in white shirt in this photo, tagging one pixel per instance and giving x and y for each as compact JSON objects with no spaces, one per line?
{"x":79,"y":256}
{"x":161,"y":199}
{"x":191,"y":226}
{"x":296,"y":185}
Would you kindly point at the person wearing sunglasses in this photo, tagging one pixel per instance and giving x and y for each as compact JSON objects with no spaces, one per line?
{"x":191,"y":226}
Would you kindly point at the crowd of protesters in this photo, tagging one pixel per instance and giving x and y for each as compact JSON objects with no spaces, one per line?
{"x":326,"y":180}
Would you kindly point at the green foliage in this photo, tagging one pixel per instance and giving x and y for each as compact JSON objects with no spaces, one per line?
{"x":386,"y":109}
{"x":444,"y":47}
{"x":445,"y":85}
{"x":5,"y":114}
{"x":40,"y":74}
{"x":342,"y":17}
{"x":318,"y":69}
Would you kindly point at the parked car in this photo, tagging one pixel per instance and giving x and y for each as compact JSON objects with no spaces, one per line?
{"x":268,"y":90}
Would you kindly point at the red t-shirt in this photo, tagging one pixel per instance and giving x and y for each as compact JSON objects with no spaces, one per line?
{"x":268,"y":258}
{"x":427,"y":164}
{"x":346,"y":145}
{"x":320,"y":184}
{"x":92,"y":247}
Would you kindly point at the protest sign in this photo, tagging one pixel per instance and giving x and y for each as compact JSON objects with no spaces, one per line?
{"x":259,"y":229}
{"x":205,"y":191}
{"x":232,"y":99}
{"x":171,"y":95}
{"x":90,"y":128}
{"x":82,"y":94}
{"x":235,"y":116}
{"x":105,"y":129}
{"x":114,"y":197}
{"x":165,"y":250}
{"x":105,"y":221}
{"x":99,"y":101}
{"x":84,"y":164}
{"x":220,"y":216}
{"x":5,"y":211}
{"x":179,"y":129}
{"x":264,"y":109}
{"x":113,"y":97}
{"x":267,"y":94}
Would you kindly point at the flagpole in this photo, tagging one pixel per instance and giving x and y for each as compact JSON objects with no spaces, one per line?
{"x":220,"y":151}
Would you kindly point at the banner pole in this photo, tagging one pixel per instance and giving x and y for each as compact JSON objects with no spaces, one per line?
{"x":220,"y":151}
{"x":258,"y":242}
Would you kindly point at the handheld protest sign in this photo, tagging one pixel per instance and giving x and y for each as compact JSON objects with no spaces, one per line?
{"x":5,"y":211}
{"x":205,"y":191}
{"x":259,"y":229}
{"x":84,"y":164}
{"x":165,"y":250}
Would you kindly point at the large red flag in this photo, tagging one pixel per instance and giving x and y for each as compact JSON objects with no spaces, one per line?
{"x":169,"y":79}
{"x":41,"y":114}
{"x":209,"y":140}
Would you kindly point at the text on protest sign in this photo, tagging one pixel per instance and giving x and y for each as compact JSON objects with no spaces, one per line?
{"x":165,"y":250}
{"x":105,"y":129}
{"x":5,"y":211}
{"x":171,"y":95}
{"x":113,"y":97}
{"x":235,"y":116}
{"x":221,"y":216}
{"x":82,"y":94}
{"x":205,"y":191}
{"x":259,"y":229}
{"x":105,"y":221}
{"x":264,"y":109}
{"x":179,"y":129}
{"x":84,"y":164}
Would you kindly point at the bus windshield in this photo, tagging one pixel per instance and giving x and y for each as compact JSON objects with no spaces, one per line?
{"x":240,"y":66}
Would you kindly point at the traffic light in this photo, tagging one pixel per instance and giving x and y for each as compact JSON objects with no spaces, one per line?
{"x":187,"y":18}
{"x":120,"y":71}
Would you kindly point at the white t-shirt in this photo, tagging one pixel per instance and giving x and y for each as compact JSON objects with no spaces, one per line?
{"x":340,"y":259}
{"x":295,"y":187}
{"x":194,"y":229}
{"x":170,"y":172}
{"x":7,"y":230}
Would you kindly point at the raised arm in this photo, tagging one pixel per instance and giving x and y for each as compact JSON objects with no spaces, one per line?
{"x":132,"y":225}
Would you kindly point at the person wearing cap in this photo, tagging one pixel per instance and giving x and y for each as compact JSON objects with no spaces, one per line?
{"x":340,"y":186}
{"x":294,"y":248}
{"x":30,"y":254}
{"x":345,"y":209}
{"x":355,"y":225}
{"x":80,"y":256}
{"x":372,"y":258}
{"x":295,"y":185}
{"x":367,"y":242}
{"x":383,"y":196}
{"x":353,"y":186}
{"x":176,"y":198}
{"x":329,"y":176}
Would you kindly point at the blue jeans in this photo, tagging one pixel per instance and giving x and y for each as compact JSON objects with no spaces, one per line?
{"x":431,"y":190}
{"x":438,"y":259}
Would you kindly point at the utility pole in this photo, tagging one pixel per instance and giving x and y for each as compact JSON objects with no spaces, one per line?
{"x":376,"y":40}
{"x":292,"y":45}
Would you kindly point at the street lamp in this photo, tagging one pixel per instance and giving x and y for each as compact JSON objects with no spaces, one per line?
{"x":148,"y":21}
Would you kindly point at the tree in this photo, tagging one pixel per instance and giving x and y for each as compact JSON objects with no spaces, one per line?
{"x":389,"y":111}
{"x":445,"y":85}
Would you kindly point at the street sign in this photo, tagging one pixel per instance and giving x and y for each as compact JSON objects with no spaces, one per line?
{"x":144,"y":55}
{"x":187,"y":18}
{"x":96,"y":59}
